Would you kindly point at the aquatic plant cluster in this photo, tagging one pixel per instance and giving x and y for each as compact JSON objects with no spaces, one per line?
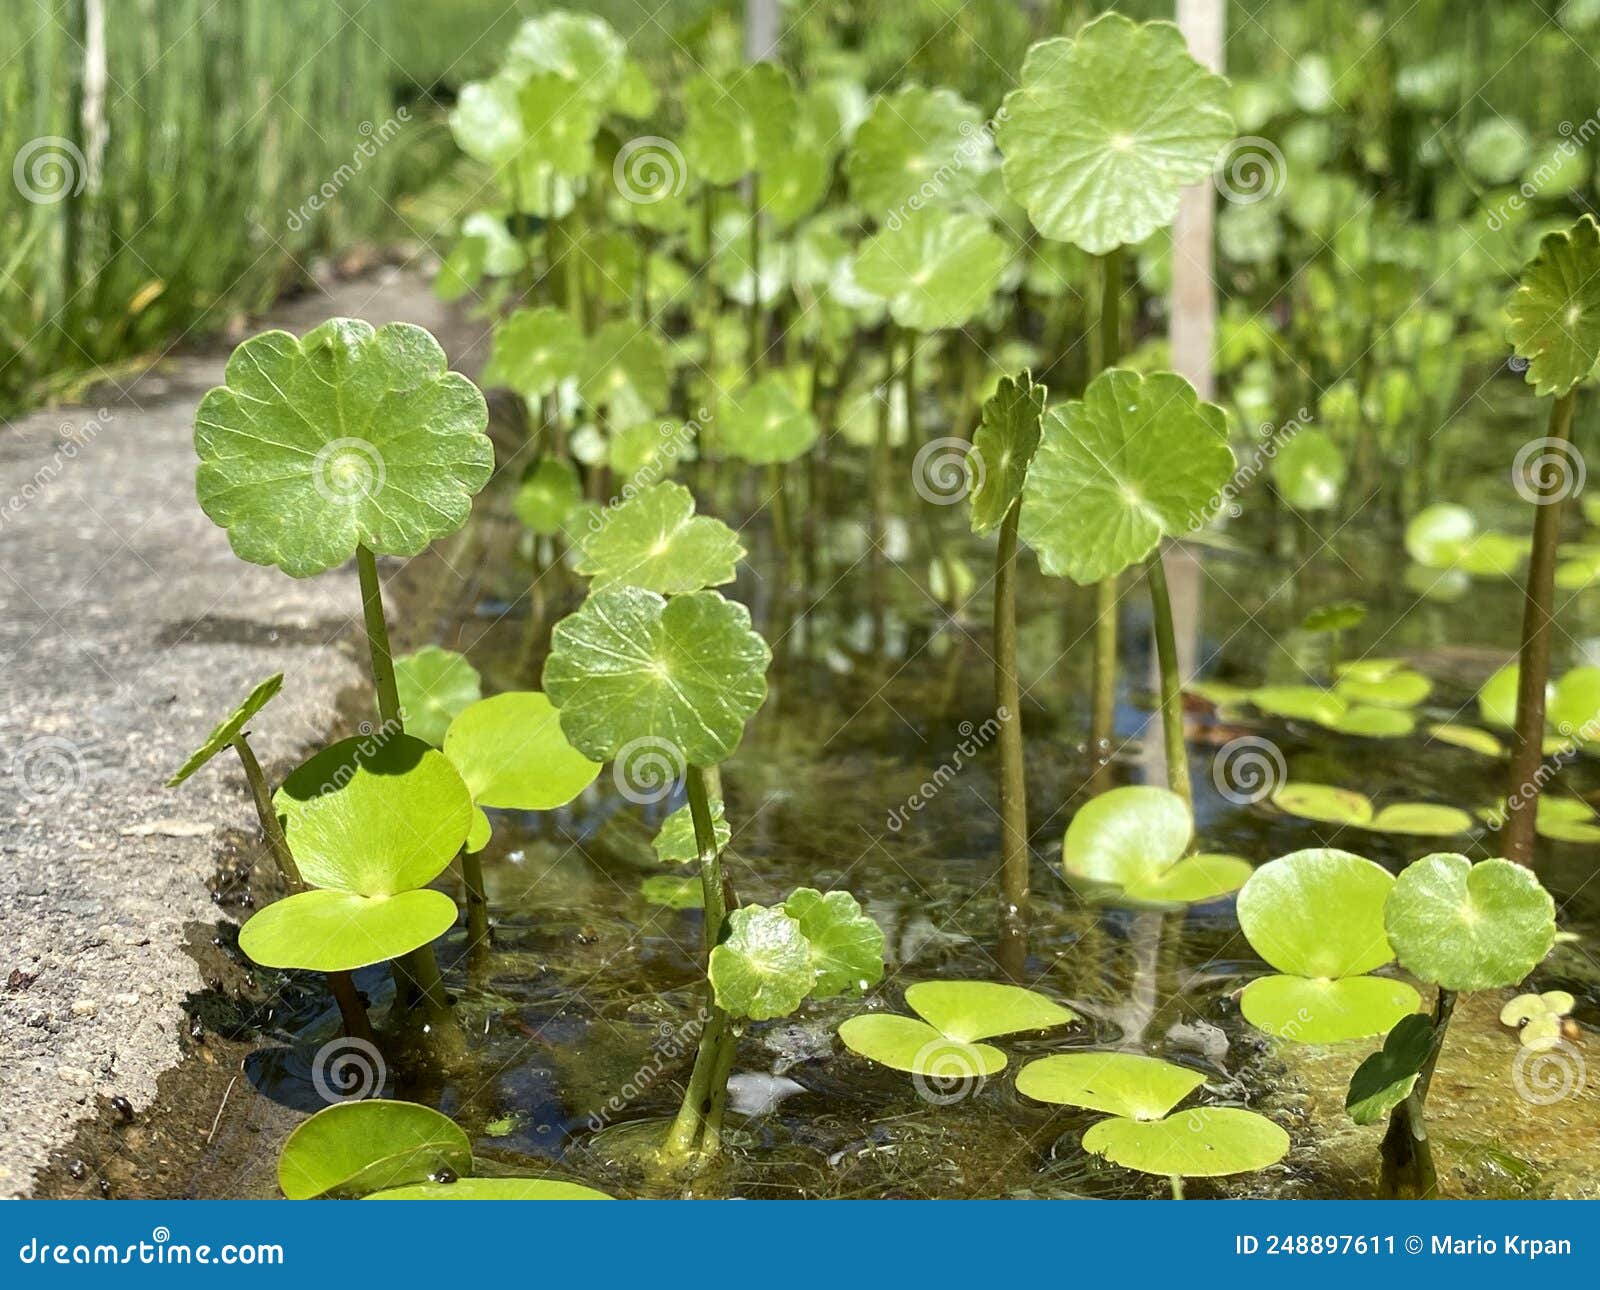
{"x":733,"y":274}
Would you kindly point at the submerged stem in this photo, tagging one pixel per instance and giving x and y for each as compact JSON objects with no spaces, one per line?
{"x":1408,"y":1168}
{"x":1013,"y":785}
{"x":378,"y":640}
{"x":477,"y":902}
{"x":1103,"y":699}
{"x":1171,"y":685}
{"x":757,"y":340}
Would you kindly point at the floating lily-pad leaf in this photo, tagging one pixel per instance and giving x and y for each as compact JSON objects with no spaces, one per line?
{"x":684,"y":674}
{"x":350,"y":436}
{"x":1555,"y":311}
{"x":1497,"y":700}
{"x":1492,"y":554}
{"x":1129,"y":844}
{"x":1575,"y":704}
{"x":353,"y":1148}
{"x":1138,"y":458}
{"x":1465,"y":926}
{"x":1538,"y":1017}
{"x":763,"y":424}
{"x":1299,"y":703}
{"x":227,"y":730}
{"x":1107,"y":129}
{"x":1422,"y":819}
{"x":762,"y":968}
{"x":534,"y":351}
{"x":1320,"y":1010}
{"x":434,"y":684}
{"x":737,"y":125}
{"x":374,"y":816}
{"x":906,"y":1044}
{"x":1324,"y":803}
{"x":1438,"y":534}
{"x":973,"y":1010}
{"x":1468,"y":737}
{"x":676,"y":842}
{"x":1399,"y":689}
{"x":846,"y":946}
{"x":547,"y":496}
{"x":1337,"y":616}
{"x":655,"y":540}
{"x":625,"y":372}
{"x":493,"y":1189}
{"x":513,"y":756}
{"x":1128,"y":1084}
{"x":1317,"y":913}
{"x":1309,"y":471}
{"x":1372,"y":722}
{"x":916,"y":143}
{"x":935,"y":268}
{"x":673,"y":892}
{"x":338,"y":931}
{"x":1206,"y":1142}
{"x":1565,"y":819}
{"x":1386,"y":1078}
{"x":1003,"y":446}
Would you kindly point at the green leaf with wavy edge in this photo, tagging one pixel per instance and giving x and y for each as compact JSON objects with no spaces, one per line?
{"x":353,"y":1148}
{"x":492,"y":1189}
{"x":625,"y":372}
{"x":1465,"y":926}
{"x":534,"y":350}
{"x":349,"y":436}
{"x":1129,"y":844}
{"x":1126,"y":1084}
{"x":1003,"y":446}
{"x":738,"y":124}
{"x":846,"y":946}
{"x":684,"y":675}
{"x":1322,"y":1010}
{"x":974,"y":1010}
{"x":675,"y":843}
{"x":582,"y":49}
{"x":1387,"y":1077}
{"x":513,"y":756}
{"x":764,"y":425}
{"x":1309,"y":471}
{"x":547,"y":496}
{"x":434,"y":684}
{"x":906,"y":1044}
{"x":1107,"y":128}
{"x":655,"y":540}
{"x":917,"y":147}
{"x":338,"y":931}
{"x":650,"y":449}
{"x":1206,"y":1142}
{"x":559,"y":128}
{"x":227,"y":730}
{"x":1555,"y":310}
{"x":762,"y":967}
{"x":1139,"y":458}
{"x":935,"y":268}
{"x":374,"y":816}
{"x":1317,"y":913}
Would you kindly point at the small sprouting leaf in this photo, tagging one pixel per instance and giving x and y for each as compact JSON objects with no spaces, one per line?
{"x":1128,"y":844}
{"x":1555,"y":311}
{"x":935,"y":268}
{"x":1386,"y":1078}
{"x":846,"y":946}
{"x":1128,"y":1084}
{"x":548,"y":495}
{"x":655,"y":540}
{"x":1317,"y":913}
{"x":973,"y":1010}
{"x":1206,"y":1142}
{"x":1003,"y":447}
{"x":1465,"y":926}
{"x":324,"y":930}
{"x":513,"y":756}
{"x":1309,"y":471}
{"x":1106,"y":130}
{"x":1321,"y":1010}
{"x":353,"y":1148}
{"x":374,"y":816}
{"x":914,"y":139}
{"x":625,"y":372}
{"x":906,"y":1044}
{"x":492,"y":1189}
{"x":762,"y":424}
{"x":1336,"y":616}
{"x":1537,"y":1018}
{"x":227,"y":730}
{"x":351,"y":436}
{"x":684,"y":675}
{"x":676,"y":842}
{"x":672,"y":892}
{"x":534,"y":351}
{"x":762,"y":968}
{"x":1138,"y":458}
{"x":434,"y":684}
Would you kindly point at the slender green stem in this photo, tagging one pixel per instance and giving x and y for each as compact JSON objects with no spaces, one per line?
{"x":1008,"y":708}
{"x":477,"y":902}
{"x":1171,"y":684}
{"x":271,"y":827}
{"x":781,"y":527}
{"x":1533,"y":667}
{"x":708,"y":230}
{"x":1110,"y":327}
{"x":378,"y":640}
{"x":757,"y":339}
{"x":1407,"y":1153}
{"x":1103,"y":697}
{"x":698,"y":783}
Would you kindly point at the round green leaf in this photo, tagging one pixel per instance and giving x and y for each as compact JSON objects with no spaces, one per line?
{"x":1421,"y":819}
{"x":559,"y":129}
{"x":1323,"y":803}
{"x":1324,"y":1011}
{"x":1138,"y":458}
{"x":534,"y":351}
{"x":676,"y":842}
{"x":1373,"y":723}
{"x":1555,"y":311}
{"x":846,"y":946}
{"x":348,"y":437}
{"x":1565,"y":819}
{"x":1438,"y":534}
{"x":1575,"y":704}
{"x":762,"y":967}
{"x":906,"y":1044}
{"x":486,"y":120}
{"x":1130,"y":843}
{"x":1309,"y":471}
{"x":1399,"y":689}
{"x":1106,"y":130}
{"x":1299,"y":703}
{"x":1497,"y":700}
{"x":1003,"y":447}
{"x":737,"y":125}
{"x":625,"y":372}
{"x":374,"y":816}
{"x":434,"y":684}
{"x":354,"y":1148}
{"x":917,"y":146}
{"x":1192,"y":880}
{"x":512,"y":754}
{"x":973,"y":1010}
{"x":1465,"y":926}
{"x":581,"y":48}
{"x":1468,"y":737}
{"x":935,"y":268}
{"x":631,"y":666}
{"x":548,"y":495}
{"x":1130,"y":1084}
{"x":673,"y":892}
{"x":227,"y":730}
{"x":762,"y":424}
{"x":655,"y":540}
{"x":1317,"y":913}
{"x":338,"y":931}
{"x":1386,"y":1078}
{"x":493,"y":1189}
{"x":1206,"y":1142}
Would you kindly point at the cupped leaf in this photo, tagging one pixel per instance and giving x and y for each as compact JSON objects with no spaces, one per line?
{"x":625,"y":372}
{"x":351,"y":436}
{"x":1138,"y":458}
{"x":935,"y":268}
{"x":846,"y":946}
{"x":676,"y":843}
{"x":685,"y":674}
{"x":654,"y":540}
{"x":762,"y":967}
{"x":1555,"y":311}
{"x":353,"y":1148}
{"x":227,"y":730}
{"x":1106,"y":130}
{"x":762,"y":424}
{"x":492,"y":1189}
{"x":434,"y":684}
{"x":512,"y":754}
{"x":534,"y":351}
{"x":1207,"y":1142}
{"x":1193,"y":880}
{"x":1386,"y":1078}
{"x":547,"y":496}
{"x":1129,"y":1084}
{"x":916,"y":147}
{"x":1323,"y":1011}
{"x":1317,"y":913}
{"x":906,"y":1044}
{"x":1003,"y":446}
{"x":374,"y":815}
{"x":973,"y":1010}
{"x":1129,"y":843}
{"x":1538,"y":1017}
{"x":338,"y":931}
{"x":1465,"y":926}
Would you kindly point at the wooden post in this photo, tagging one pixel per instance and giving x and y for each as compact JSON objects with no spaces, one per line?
{"x":760,"y":30}
{"x":1194,"y":297}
